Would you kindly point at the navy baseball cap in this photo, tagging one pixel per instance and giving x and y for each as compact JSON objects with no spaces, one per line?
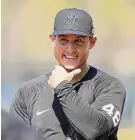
{"x":73,"y":21}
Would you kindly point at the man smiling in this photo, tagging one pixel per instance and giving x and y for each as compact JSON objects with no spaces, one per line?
{"x":75,"y":101}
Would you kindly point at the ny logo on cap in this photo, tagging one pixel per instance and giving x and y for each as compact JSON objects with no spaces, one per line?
{"x":72,"y":20}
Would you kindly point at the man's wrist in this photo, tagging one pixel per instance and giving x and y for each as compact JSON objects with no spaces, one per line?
{"x":61,"y":85}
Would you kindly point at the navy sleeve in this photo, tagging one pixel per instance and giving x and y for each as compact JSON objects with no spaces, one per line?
{"x":98,"y":118}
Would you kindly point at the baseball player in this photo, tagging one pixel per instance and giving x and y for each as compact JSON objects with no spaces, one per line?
{"x":74,"y":101}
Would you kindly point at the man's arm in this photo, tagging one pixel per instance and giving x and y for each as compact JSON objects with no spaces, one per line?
{"x":22,"y":108}
{"x":102,"y":116}
{"x":18,"y":108}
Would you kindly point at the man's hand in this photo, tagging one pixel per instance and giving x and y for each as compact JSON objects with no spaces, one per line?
{"x":59,"y":74}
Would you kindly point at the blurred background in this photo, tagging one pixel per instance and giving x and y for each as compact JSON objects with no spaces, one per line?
{"x":27,"y":51}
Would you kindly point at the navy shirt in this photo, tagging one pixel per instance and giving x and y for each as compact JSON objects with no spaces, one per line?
{"x":89,"y":109}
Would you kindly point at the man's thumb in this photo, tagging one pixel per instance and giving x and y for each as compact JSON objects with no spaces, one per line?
{"x":74,"y":72}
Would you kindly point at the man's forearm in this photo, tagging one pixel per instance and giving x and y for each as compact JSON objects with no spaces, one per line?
{"x":87,"y":121}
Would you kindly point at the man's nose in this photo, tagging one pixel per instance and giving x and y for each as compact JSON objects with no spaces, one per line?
{"x":70,"y":47}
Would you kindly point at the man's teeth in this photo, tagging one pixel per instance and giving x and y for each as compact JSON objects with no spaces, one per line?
{"x":70,"y":57}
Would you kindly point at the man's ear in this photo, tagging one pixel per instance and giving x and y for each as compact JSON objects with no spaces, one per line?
{"x":52,"y":37}
{"x":93,"y":42}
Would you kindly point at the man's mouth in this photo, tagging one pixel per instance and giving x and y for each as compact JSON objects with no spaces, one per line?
{"x":69,"y":56}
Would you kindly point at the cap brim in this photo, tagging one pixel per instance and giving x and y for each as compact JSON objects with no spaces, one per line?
{"x":62,"y":32}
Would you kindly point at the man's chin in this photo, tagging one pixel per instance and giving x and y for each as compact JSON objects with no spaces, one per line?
{"x":69,"y":68}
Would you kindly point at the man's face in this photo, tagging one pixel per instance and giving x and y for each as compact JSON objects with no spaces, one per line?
{"x":72,"y":51}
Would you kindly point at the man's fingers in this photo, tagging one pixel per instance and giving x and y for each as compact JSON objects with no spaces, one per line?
{"x":59,"y":74}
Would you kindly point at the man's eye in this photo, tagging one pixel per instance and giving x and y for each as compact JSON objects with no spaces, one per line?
{"x":63,"y":40}
{"x":79,"y":41}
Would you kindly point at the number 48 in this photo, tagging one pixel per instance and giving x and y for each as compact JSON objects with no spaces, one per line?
{"x":115,"y":116}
